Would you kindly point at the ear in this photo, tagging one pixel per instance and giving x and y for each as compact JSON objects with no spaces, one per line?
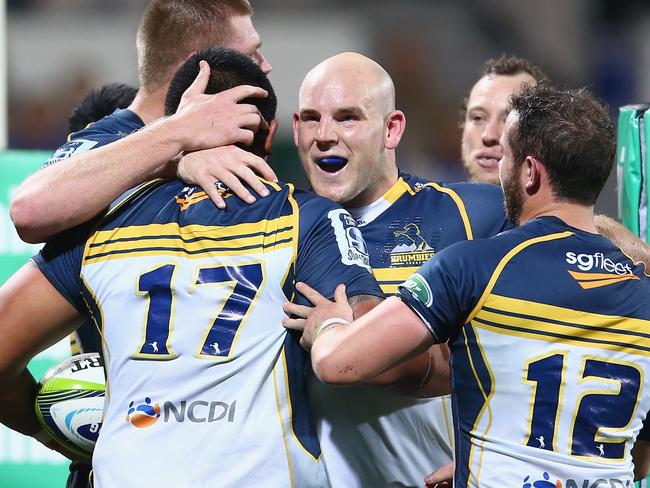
{"x":294,"y":124}
{"x":268,"y":143}
{"x":395,"y":126}
{"x":532,"y":174}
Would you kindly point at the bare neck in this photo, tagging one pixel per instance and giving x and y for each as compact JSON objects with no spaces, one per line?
{"x":573,"y":214}
{"x":149,"y":106}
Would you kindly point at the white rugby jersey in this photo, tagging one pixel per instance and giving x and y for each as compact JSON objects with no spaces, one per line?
{"x":204,"y":385}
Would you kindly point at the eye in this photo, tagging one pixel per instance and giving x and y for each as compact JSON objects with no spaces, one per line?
{"x":349,"y":118}
{"x":308,"y":117}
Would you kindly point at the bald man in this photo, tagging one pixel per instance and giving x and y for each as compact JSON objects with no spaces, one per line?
{"x":347,"y":130}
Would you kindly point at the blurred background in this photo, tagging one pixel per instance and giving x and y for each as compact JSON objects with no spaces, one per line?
{"x":58,"y":50}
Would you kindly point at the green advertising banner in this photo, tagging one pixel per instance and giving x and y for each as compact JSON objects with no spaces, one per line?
{"x":25,"y":463}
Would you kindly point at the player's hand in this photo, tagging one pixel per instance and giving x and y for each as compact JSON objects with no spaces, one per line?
{"x":229,"y":165}
{"x":206,"y":121}
{"x":71,"y":455}
{"x":307,"y":319}
{"x":441,"y":477}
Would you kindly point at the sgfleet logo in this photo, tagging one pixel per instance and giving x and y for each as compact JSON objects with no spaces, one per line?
{"x":546,"y":482}
{"x":596,"y":270}
{"x":197,"y":411}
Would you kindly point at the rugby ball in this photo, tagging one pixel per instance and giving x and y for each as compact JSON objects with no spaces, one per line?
{"x":70,"y":402}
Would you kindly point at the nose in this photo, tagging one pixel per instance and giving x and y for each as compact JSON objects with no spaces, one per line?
{"x":325,"y":133}
{"x":265,"y":66}
{"x":492,"y":132}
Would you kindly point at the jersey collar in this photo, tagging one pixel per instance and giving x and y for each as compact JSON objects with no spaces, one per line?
{"x":365,"y":215}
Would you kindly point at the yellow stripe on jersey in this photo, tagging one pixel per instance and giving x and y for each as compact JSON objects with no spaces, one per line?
{"x":459,"y":203}
{"x":522,"y":318}
{"x":190,"y":240}
{"x":390,"y":278}
{"x":502,"y":264}
{"x":397,"y":190}
{"x":596,"y":280}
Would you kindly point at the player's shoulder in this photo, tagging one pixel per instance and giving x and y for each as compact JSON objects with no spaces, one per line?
{"x":473,"y":193}
{"x":109,"y":129}
{"x":487,"y":250}
{"x":465,"y":191}
{"x":308,"y":199}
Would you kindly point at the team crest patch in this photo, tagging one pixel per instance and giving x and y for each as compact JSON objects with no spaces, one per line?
{"x":419,"y":288}
{"x":348,"y":237}
{"x":412,"y":249}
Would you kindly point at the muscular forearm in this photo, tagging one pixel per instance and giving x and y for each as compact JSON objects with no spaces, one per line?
{"x":71,"y":192}
{"x":379,"y":340}
{"x":17,"y":404}
{"x":426,"y":375}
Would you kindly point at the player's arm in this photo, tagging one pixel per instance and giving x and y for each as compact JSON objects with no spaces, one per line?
{"x":345,"y":352}
{"x":621,"y":236}
{"x":33,"y":316}
{"x":424,"y":374}
{"x":66,"y":194}
{"x":641,"y":459}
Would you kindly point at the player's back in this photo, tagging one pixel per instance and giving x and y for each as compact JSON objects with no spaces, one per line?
{"x":548,"y":373}
{"x":202,"y":387}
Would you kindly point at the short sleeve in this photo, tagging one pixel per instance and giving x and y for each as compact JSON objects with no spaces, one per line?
{"x":105,"y":131}
{"x":60,"y":262}
{"x":81,"y":145}
{"x":444,"y":290}
{"x":331,"y":250}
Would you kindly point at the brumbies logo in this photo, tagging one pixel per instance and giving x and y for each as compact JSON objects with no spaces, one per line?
{"x":412,"y":249}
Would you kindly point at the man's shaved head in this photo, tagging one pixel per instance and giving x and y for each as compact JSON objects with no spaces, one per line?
{"x":346,"y":129}
{"x":355,"y":69}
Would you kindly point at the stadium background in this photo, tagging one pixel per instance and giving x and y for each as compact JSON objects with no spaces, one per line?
{"x":57,"y":50}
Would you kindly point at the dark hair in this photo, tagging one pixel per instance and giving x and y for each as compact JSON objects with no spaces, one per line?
{"x":228,"y":69}
{"x":507,"y":65}
{"x":504,"y":65}
{"x":99,"y":103}
{"x":570,"y":133}
{"x":172,"y":29}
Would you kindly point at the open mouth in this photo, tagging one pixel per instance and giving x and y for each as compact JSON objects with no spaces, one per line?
{"x":331,"y":164}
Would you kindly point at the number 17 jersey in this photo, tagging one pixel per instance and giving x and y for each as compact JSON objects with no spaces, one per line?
{"x":204,"y":384}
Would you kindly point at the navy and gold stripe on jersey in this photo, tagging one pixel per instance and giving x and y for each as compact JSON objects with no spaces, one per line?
{"x":191,"y":240}
{"x":527,"y":319}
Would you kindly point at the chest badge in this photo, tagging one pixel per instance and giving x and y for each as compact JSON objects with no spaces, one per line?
{"x":412,"y":249}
